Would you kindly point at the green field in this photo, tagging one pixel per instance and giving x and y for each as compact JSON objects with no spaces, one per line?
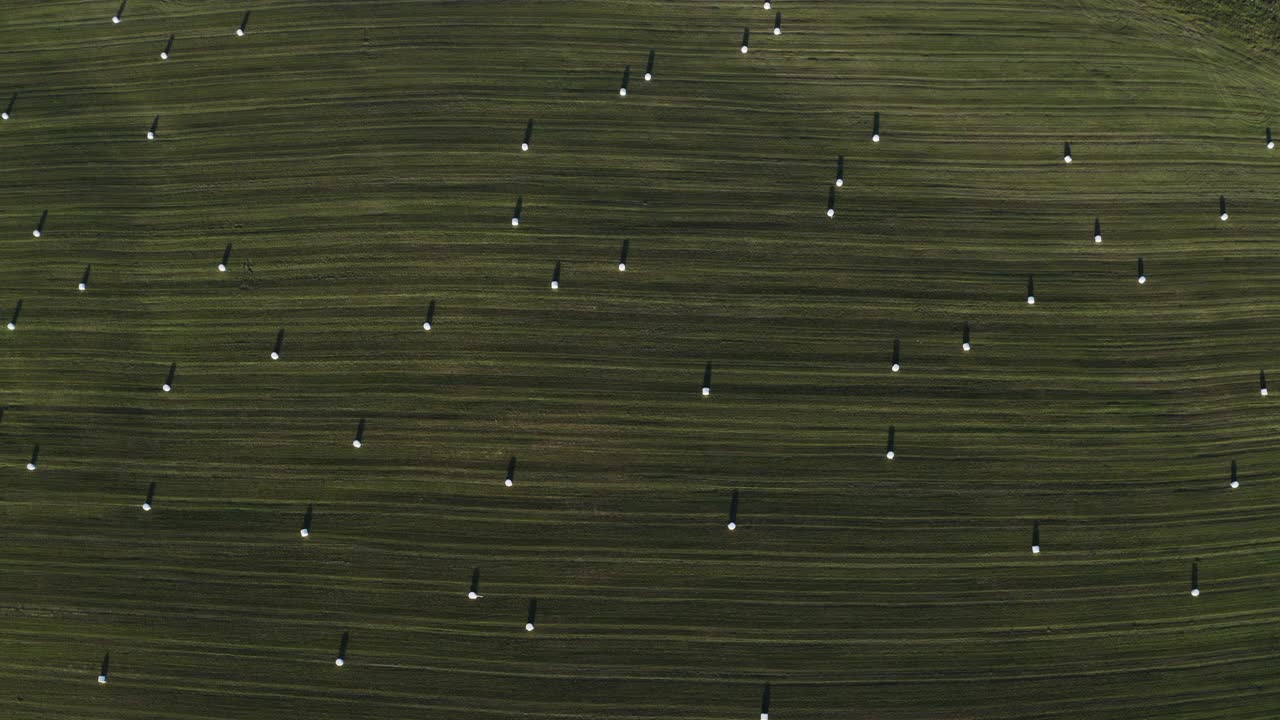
{"x":364,"y":160}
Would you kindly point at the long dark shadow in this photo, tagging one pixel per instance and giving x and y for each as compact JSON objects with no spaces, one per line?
{"x":13,"y":319}
{"x":342,"y":649}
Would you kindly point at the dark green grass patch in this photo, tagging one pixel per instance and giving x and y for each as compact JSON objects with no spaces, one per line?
{"x":363,"y":160}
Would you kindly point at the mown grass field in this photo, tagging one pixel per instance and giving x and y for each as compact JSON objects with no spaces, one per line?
{"x":363,"y":159}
